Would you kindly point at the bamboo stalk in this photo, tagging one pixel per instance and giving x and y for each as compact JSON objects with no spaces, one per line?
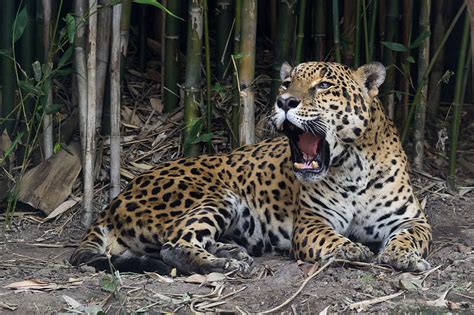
{"x":103,"y":51}
{"x":420,"y":111}
{"x":89,"y":154}
{"x":223,"y":33}
{"x":235,"y":115}
{"x":125,"y":26}
{"x":366,"y":31}
{"x":442,"y":11}
{"x":348,"y":26}
{"x":47,"y":120}
{"x":373,"y":20}
{"x":208,"y":74}
{"x":357,"y":34}
{"x":172,"y":27}
{"x":407,"y":26}
{"x":320,"y":30}
{"x":462,"y":72}
{"x":381,"y":12}
{"x":192,"y":86}
{"x":115,"y":102}
{"x":142,"y":30}
{"x":300,"y":34}
{"x":470,"y":9}
{"x":434,"y":58}
{"x":389,"y":56}
{"x":81,"y":70}
{"x":7,"y":14}
{"x":285,"y":30}
{"x":335,"y":23}
{"x":247,"y":71}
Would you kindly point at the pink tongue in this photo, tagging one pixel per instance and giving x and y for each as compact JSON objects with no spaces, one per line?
{"x":308,"y":143}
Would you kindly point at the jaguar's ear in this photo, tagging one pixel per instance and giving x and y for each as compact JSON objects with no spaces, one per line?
{"x":371,"y":76}
{"x":285,"y":70}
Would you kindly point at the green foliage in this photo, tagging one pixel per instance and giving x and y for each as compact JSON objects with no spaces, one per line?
{"x":19,"y":24}
{"x":158,"y":5}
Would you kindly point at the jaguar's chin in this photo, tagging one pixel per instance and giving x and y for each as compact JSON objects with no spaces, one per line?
{"x":310,"y":153}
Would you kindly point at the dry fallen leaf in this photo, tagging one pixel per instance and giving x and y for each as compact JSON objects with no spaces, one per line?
{"x":157,"y":105}
{"x":33,"y":284}
{"x":65,"y":206}
{"x":71,"y":302}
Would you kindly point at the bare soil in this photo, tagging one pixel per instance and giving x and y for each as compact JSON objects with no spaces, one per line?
{"x":37,"y":251}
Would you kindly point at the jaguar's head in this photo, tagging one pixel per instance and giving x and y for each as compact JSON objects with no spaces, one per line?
{"x":323,"y":108}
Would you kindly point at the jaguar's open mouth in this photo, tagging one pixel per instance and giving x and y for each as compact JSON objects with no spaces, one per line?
{"x":309,"y":151}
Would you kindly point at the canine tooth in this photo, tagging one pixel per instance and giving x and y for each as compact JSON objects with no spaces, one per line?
{"x":314,"y":164}
{"x":298,"y":165}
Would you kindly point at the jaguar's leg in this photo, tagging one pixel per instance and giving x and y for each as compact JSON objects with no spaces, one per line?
{"x":314,"y":239}
{"x":406,"y":248}
{"x":189,"y":237}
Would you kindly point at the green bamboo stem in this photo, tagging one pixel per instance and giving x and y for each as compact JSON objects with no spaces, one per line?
{"x":366,"y":31}
{"x":208,"y":74}
{"x":407,"y":26}
{"x":434,"y":58}
{"x":142,"y":30}
{"x":320,"y":30}
{"x":223,"y":36}
{"x":235,"y":115}
{"x":172,"y":34}
{"x":348,"y":31}
{"x":7,"y":120}
{"x":300,"y":35}
{"x":389,"y":56}
{"x":335,"y":23}
{"x":420,"y":110}
{"x":441,"y":12}
{"x":27,"y":55}
{"x":373,"y":21}
{"x":357,"y":34}
{"x":192,"y":85}
{"x":462,"y":72}
{"x":285,"y":28}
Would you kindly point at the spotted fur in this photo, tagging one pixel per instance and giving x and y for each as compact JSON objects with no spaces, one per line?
{"x":212,"y":213}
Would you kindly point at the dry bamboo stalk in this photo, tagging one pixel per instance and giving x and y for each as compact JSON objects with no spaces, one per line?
{"x":247,"y":71}
{"x":115,"y":103}
{"x":47,"y":121}
{"x":89,"y":154}
{"x":420,"y":111}
{"x":103,"y":50}
{"x":81,"y":71}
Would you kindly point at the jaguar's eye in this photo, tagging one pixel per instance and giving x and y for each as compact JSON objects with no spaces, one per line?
{"x":285,"y":84}
{"x":324,"y":85}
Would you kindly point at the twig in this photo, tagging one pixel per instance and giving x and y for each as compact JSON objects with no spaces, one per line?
{"x":364,"y":304}
{"x":291,"y":298}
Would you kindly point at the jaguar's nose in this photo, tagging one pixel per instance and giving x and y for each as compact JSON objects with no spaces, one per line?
{"x":287,"y":103}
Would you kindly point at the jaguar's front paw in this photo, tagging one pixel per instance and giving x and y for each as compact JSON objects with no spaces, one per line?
{"x":353,"y":251}
{"x":405,"y":261}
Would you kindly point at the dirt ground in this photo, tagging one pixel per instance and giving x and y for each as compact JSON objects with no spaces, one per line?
{"x":34,"y":277}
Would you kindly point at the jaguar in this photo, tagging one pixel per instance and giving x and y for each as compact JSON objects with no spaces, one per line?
{"x":334,"y":185}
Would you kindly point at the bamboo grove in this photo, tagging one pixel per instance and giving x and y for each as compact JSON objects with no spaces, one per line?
{"x":234,"y":47}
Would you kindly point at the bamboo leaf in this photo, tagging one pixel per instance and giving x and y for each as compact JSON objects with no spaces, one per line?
{"x":159,"y":6}
{"x":410,"y":59}
{"x":206,"y":137}
{"x":66,"y":57}
{"x":53,"y":108}
{"x":28,"y":87}
{"x":395,"y":46}
{"x":70,"y":27}
{"x":417,"y":42}
{"x":20,"y":24}
{"x":12,"y":147}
